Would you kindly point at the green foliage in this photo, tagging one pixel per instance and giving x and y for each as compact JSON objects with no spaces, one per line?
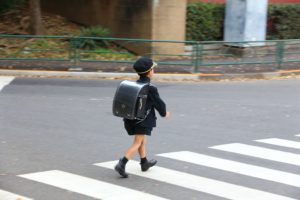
{"x":205,"y":21}
{"x":107,"y":54}
{"x":95,"y":31}
{"x":6,"y":5}
{"x":284,"y":21}
{"x":41,"y":44}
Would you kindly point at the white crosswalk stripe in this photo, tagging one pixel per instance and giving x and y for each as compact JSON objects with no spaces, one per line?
{"x":281,"y":142}
{"x":260,"y":152}
{"x":4,"y":195}
{"x":198,"y":183}
{"x":99,"y":189}
{"x":236,"y":167}
{"x":298,"y":135}
{"x":5,"y":80}
{"x":87,"y":186}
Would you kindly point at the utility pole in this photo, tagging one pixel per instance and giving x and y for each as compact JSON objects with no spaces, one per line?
{"x":246,"y":20}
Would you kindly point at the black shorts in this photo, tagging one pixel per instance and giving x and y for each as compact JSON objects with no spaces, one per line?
{"x":137,"y":130}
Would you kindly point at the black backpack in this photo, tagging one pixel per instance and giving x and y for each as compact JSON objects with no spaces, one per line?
{"x":130,"y":100}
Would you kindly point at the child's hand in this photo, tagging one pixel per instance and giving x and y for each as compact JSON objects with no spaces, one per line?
{"x":168,"y":115}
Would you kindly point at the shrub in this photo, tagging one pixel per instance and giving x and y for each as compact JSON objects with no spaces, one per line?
{"x":284,"y":21}
{"x":95,"y":31}
{"x":205,"y":21}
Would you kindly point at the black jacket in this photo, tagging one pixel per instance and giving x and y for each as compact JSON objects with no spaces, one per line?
{"x":154,"y":102}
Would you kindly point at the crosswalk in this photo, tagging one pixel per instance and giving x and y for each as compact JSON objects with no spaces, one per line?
{"x":5,"y":80}
{"x":224,"y":189}
{"x":198,"y":183}
{"x":261,"y":152}
{"x":87,"y":186}
{"x":5,"y":195}
{"x":281,"y":142}
{"x":236,"y":167}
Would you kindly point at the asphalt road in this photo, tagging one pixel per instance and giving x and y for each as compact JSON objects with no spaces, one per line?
{"x":67,"y":125}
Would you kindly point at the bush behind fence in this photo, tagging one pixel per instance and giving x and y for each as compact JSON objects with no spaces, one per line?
{"x":205,"y":21}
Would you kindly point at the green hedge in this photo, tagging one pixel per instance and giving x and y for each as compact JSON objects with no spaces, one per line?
{"x":284,"y":22}
{"x":205,"y":21}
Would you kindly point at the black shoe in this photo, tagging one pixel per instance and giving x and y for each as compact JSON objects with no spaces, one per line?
{"x":120,"y":168}
{"x":146,"y":165}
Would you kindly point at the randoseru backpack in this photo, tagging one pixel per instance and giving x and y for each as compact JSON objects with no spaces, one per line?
{"x":130,"y":100}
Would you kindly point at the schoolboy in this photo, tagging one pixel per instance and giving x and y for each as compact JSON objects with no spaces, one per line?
{"x":144,"y":67}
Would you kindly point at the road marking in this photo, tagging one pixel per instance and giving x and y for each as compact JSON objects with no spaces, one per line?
{"x":236,"y":167}
{"x":4,"y":195}
{"x":87,"y":186}
{"x":206,"y":185}
{"x":5,"y":80}
{"x":298,"y":135}
{"x":281,"y":142}
{"x":260,"y":152}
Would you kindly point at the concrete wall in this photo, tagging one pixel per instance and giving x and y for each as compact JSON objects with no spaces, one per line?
{"x":86,"y":12}
{"x":168,"y":23}
{"x":133,"y":19}
{"x":144,"y":19}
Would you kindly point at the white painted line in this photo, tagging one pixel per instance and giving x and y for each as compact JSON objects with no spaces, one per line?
{"x":298,"y":135}
{"x":4,"y":195}
{"x":281,"y":142}
{"x":236,"y":167}
{"x":260,"y":152}
{"x":198,"y":183}
{"x":87,"y":186}
{"x":5,"y":80}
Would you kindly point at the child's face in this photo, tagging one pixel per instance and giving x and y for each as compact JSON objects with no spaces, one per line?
{"x":151,"y":73}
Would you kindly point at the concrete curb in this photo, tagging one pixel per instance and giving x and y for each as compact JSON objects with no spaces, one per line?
{"x":158,"y":77}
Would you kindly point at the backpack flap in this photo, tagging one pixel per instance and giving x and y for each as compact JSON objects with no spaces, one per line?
{"x":130,"y":100}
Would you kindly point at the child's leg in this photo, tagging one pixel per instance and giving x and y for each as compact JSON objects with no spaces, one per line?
{"x":142,"y":149}
{"x":145,"y":163}
{"x":137,"y":143}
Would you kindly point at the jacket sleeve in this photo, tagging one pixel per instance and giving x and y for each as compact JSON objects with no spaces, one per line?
{"x":158,"y":103}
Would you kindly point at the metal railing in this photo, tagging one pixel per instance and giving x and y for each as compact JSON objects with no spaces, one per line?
{"x":66,"y":52}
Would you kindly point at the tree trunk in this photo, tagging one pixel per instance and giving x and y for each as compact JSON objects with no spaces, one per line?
{"x":36,"y":25}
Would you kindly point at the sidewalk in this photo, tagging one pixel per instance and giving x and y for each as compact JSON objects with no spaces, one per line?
{"x":158,"y":76}
{"x":163,"y":72}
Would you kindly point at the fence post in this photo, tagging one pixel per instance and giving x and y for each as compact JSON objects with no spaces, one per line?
{"x":197,"y":51}
{"x":279,"y":53}
{"x":73,"y":51}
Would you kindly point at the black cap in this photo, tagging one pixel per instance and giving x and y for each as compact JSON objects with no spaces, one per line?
{"x":143,"y":65}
